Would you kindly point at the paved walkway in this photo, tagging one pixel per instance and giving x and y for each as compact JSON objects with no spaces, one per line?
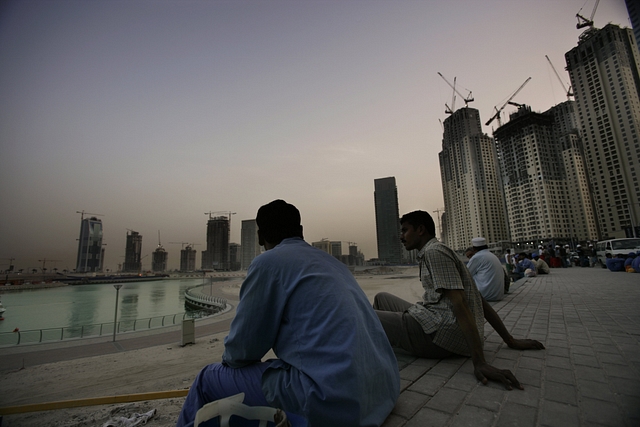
{"x":589,"y":375}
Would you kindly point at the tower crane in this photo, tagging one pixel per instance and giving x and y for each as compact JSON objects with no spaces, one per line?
{"x":568,"y":91}
{"x":499,"y":110}
{"x":82,"y":213}
{"x":183,"y":243}
{"x":584,"y":22}
{"x":467,"y":99}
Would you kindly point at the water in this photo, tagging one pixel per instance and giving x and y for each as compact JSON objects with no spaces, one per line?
{"x":81,"y":305}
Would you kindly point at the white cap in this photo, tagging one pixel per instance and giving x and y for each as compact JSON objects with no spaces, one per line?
{"x":478,"y":241}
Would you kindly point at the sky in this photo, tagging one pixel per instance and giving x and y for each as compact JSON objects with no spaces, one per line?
{"x":152,"y":113}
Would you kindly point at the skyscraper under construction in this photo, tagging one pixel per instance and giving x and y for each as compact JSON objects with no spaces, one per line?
{"x":216,"y":256}
{"x":605,"y":76}
{"x":133,"y":252}
{"x":473,"y":198}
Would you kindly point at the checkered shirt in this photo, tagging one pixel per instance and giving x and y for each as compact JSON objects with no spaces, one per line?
{"x":440,"y":268}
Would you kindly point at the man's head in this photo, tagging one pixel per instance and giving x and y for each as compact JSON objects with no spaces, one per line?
{"x":522,"y":256}
{"x":479,"y":243}
{"x":277,"y":221}
{"x":417,"y":228}
{"x":469,"y":252}
{"x":535,"y":255}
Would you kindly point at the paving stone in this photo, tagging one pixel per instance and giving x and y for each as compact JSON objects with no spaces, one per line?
{"x":486,"y":397}
{"x":444,"y":369}
{"x":559,"y":392}
{"x":581,"y":359}
{"x":428,"y":384}
{"x":555,"y":414}
{"x":589,"y":373}
{"x":472,"y":416}
{"x":559,"y":362}
{"x":463,"y":380}
{"x":616,"y":359}
{"x":530,"y":396}
{"x":413,"y":372}
{"x":580,"y":349}
{"x":529,"y":377}
{"x":620,"y":371}
{"x":515,"y":415}
{"x":560,"y":352}
{"x":625,"y":386}
{"x":530,"y":363}
{"x":409,"y":403}
{"x":425,"y":362}
{"x":595,"y":390}
{"x":560,"y":375}
{"x":600,"y":412}
{"x":447,"y":400}
{"x":427,"y":417}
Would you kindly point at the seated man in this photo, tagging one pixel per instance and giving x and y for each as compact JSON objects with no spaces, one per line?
{"x":486,"y":270}
{"x":615,"y":264}
{"x":335,"y":366}
{"x":524,"y":267}
{"x":541,"y":266}
{"x":450,"y":318}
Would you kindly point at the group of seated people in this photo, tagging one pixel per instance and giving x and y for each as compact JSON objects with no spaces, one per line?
{"x":621,"y":262}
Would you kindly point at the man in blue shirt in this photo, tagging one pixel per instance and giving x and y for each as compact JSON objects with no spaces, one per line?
{"x":335,"y":366}
{"x":524,"y":267}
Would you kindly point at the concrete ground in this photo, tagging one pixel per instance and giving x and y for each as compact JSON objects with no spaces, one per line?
{"x":589,"y":374}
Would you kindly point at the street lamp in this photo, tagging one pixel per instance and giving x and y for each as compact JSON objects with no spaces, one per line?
{"x":115,"y":316}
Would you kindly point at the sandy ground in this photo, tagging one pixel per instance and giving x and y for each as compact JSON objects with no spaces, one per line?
{"x":152,"y":369}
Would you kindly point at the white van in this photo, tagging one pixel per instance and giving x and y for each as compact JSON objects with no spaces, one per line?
{"x":615,"y":247}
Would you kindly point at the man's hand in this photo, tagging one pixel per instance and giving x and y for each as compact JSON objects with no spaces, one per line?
{"x":525,"y":344}
{"x":485,"y":372}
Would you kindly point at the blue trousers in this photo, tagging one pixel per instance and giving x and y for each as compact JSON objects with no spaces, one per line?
{"x":217,"y":381}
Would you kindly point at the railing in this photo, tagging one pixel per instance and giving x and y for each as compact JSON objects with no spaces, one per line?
{"x":87,"y":331}
{"x":195,"y":298}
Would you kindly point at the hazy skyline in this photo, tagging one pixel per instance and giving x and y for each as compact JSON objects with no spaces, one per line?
{"x":152,"y":113}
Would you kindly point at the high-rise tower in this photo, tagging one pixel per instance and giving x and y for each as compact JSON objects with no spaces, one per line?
{"x":188,"y":259}
{"x":249,"y":242}
{"x":159,"y":262}
{"x":604,"y":70}
{"x":387,"y":220}
{"x":216,"y":257}
{"x":133,"y":252}
{"x":473,"y":198}
{"x":90,"y":253}
{"x":543,"y":176}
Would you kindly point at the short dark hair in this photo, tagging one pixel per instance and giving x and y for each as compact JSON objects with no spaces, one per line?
{"x":278,"y":220}
{"x":418,"y":218}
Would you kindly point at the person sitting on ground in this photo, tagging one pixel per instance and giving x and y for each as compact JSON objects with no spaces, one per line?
{"x":628,"y":263}
{"x":635,"y":264}
{"x":541,"y":266}
{"x":486,"y":270}
{"x":335,"y":366}
{"x":524,"y":267}
{"x":450,"y":318}
{"x":615,"y":263}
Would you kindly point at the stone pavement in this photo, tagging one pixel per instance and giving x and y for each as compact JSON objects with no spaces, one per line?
{"x":589,"y":374}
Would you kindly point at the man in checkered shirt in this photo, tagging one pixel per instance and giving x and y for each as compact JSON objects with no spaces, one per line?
{"x":450,"y":318}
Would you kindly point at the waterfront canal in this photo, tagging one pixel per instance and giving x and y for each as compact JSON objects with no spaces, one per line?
{"x":81,"y":305}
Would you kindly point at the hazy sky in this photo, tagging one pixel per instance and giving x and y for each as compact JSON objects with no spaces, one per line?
{"x":152,"y":113}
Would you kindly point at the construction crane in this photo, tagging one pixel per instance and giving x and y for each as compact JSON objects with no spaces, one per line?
{"x":82,"y":214}
{"x":584,"y":22}
{"x":467,"y":99}
{"x":567,"y":91}
{"x":499,"y":110}
{"x":183,"y":243}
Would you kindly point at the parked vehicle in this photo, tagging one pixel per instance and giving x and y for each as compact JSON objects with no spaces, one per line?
{"x":615,"y":247}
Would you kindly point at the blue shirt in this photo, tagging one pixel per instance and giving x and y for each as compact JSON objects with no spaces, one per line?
{"x":335,"y":365}
{"x":488,"y":274}
{"x":525,"y":264}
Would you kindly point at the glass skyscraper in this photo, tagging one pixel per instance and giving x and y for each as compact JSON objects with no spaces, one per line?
{"x":90,"y":253}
